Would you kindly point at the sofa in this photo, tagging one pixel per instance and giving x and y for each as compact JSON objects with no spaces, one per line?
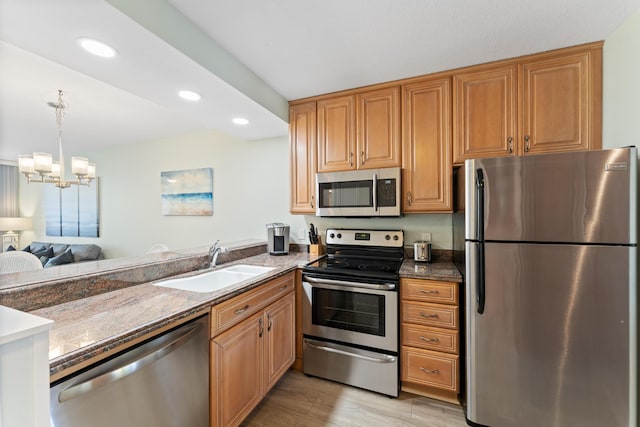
{"x":53,"y":254}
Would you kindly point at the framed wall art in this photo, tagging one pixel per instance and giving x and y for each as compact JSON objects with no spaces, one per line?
{"x":187,"y":192}
{"x":72,"y":211}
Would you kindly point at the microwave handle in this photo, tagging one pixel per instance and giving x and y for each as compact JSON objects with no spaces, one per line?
{"x":375,"y":192}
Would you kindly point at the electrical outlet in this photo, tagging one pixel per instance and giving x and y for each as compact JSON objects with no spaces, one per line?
{"x":426,"y":237}
{"x":302,"y":233}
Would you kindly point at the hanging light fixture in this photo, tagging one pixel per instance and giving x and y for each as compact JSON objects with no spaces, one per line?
{"x":40,"y":167}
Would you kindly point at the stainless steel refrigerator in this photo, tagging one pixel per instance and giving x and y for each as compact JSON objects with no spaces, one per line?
{"x":551,"y":279}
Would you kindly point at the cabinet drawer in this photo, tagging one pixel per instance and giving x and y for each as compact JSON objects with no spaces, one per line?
{"x":429,"y":291}
{"x":430,"y":368}
{"x":430,"y":338}
{"x":422,"y":313}
{"x":236,"y":309}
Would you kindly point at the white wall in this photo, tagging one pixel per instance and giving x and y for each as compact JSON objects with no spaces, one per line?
{"x":250,"y":190}
{"x":621,"y":85}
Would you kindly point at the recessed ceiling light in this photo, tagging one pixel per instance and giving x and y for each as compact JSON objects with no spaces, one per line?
{"x":96,"y":47}
{"x":189,"y":95}
{"x":240,"y":121}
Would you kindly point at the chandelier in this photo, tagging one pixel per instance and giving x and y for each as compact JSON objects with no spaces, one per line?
{"x":40,"y":167}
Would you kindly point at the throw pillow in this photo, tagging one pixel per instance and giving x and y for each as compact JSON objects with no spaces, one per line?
{"x":42,"y":252}
{"x":65,"y":258}
{"x":11,"y":248}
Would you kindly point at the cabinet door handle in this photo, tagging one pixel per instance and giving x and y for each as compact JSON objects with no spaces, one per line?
{"x":312,"y":202}
{"x":526,"y":143}
{"x":429,"y":291}
{"x":362,"y":157}
{"x":434,"y":371}
{"x":429,"y":339}
{"x":409,"y":197}
{"x":270,"y":322}
{"x":282,"y":288}
{"x":350,"y":159}
{"x":242,"y":310}
{"x":510,"y":142}
{"x":261,"y":327}
{"x":430,"y":316}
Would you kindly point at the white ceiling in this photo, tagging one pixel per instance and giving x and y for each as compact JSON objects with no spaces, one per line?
{"x":246,"y":57}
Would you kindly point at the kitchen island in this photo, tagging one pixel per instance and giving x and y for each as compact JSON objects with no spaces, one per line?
{"x":89,"y":329}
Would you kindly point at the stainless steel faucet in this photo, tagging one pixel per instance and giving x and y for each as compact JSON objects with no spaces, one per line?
{"x":214,"y":251}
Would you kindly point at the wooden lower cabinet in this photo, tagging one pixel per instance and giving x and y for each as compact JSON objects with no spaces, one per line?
{"x":430,"y":337}
{"x":430,"y":368}
{"x":249,"y":358}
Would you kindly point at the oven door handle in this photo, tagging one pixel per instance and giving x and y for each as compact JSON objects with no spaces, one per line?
{"x":378,"y":287}
{"x":385,"y":358}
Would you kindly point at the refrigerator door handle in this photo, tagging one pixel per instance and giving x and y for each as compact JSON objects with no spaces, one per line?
{"x":480,"y":205}
{"x":480,"y":279}
{"x":480,"y":297}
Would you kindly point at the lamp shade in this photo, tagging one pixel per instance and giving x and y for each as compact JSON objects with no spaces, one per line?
{"x":15,"y":224}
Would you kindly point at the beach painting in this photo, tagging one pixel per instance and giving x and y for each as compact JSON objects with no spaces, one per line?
{"x":187,"y":192}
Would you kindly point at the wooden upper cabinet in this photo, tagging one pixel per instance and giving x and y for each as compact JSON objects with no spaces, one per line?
{"x":378,"y":134}
{"x":360,"y":131}
{"x":559,"y":107}
{"x":426,"y":146}
{"x":302,"y":146}
{"x":484,"y":113}
{"x":544,"y":103}
{"x":336,"y":134}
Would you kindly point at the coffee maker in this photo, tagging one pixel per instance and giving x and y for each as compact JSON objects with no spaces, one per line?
{"x":278,"y":238}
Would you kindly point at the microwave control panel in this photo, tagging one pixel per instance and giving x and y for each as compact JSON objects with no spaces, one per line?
{"x":387,"y":192}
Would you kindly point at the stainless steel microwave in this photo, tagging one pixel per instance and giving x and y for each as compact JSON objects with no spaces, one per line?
{"x":364,"y":193}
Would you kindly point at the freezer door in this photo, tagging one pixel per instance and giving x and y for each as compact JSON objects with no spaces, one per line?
{"x":556,"y":344}
{"x":568,"y":197}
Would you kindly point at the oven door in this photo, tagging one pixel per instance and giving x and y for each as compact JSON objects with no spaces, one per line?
{"x":351,"y":312}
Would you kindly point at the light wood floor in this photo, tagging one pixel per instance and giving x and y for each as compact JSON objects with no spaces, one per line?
{"x":298,"y":400}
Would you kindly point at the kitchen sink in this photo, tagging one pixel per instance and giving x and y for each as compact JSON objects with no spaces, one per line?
{"x":216,"y":279}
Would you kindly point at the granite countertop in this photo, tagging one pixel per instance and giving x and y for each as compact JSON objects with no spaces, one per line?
{"x":86,"y":328}
{"x":437,"y":270}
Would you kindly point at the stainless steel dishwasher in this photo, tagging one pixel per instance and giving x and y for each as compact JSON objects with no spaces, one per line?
{"x":163,"y":382}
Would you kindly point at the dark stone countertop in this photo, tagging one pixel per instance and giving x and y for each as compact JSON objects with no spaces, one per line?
{"x":437,"y":270}
{"x":115,"y":308}
{"x":86,"y":328}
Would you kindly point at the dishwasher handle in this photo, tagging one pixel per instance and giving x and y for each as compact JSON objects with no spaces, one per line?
{"x":130,"y":368}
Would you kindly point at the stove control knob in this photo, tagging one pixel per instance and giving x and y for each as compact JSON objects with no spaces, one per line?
{"x":332,"y":235}
{"x":395,"y":237}
{"x":387,"y":237}
{"x":339,"y":236}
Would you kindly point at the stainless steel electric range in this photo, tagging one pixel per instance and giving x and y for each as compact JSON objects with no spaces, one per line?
{"x":350,"y":310}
